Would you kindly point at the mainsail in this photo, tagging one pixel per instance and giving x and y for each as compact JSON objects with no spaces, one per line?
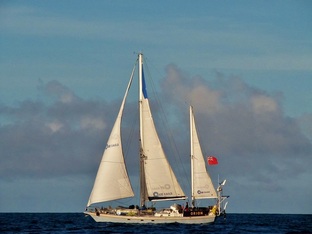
{"x":158,"y":179}
{"x":112,"y":180}
{"x":202,"y":186}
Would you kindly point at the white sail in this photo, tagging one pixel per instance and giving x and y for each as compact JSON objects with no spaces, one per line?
{"x":112,"y":181}
{"x":160,"y":181}
{"x":202,"y":186}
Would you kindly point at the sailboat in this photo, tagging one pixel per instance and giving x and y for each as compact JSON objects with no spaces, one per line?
{"x":157,"y":179}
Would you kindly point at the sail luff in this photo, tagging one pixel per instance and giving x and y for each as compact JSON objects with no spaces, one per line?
{"x":202,"y":186}
{"x":112,"y":180}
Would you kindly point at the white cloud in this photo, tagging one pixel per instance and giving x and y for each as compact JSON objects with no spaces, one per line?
{"x":88,"y":122}
{"x":54,"y":126}
{"x":263,"y":104}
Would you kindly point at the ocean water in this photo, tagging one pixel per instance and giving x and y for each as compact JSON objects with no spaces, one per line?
{"x":78,"y":223}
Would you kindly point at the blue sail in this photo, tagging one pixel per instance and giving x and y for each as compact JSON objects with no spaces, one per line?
{"x":143,"y":85}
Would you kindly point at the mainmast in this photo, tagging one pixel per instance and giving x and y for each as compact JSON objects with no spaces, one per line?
{"x":192,"y":155}
{"x":143,"y":192}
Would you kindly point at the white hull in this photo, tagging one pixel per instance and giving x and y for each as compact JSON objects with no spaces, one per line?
{"x":151,"y":219}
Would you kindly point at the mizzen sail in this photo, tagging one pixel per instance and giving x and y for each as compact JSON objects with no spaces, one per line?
{"x":202,"y":186}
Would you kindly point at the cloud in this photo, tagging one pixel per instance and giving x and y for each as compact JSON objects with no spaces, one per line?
{"x":305,"y":122}
{"x":178,"y":88}
{"x":245,"y":127}
{"x":62,"y":136}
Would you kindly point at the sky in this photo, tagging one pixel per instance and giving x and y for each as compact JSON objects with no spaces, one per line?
{"x":245,"y":66}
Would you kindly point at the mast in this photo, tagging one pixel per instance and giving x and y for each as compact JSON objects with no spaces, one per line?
{"x":143,"y":193}
{"x":192,"y":155}
{"x":140,"y":93}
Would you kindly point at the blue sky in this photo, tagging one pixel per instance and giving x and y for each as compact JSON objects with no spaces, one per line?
{"x":245,"y":65}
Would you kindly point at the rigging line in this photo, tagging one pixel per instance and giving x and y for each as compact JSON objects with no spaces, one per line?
{"x":128,"y":140}
{"x":130,"y":136}
{"x":129,"y":144}
{"x":168,"y":131}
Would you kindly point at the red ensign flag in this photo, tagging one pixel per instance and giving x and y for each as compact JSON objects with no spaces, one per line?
{"x":212,"y":160}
